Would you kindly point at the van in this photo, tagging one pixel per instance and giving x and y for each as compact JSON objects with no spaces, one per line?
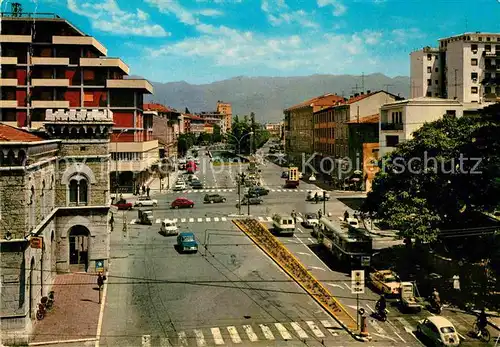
{"x":283,"y":224}
{"x":168,"y":227}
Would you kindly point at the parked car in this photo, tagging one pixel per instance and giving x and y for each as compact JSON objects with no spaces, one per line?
{"x":211,"y":198}
{"x":180,"y":185}
{"x":196,"y":184}
{"x":122,"y":204}
{"x":250,"y":201}
{"x":182,"y":202}
{"x":186,"y":242}
{"x":310,"y":220}
{"x":257,"y":191}
{"x":312,"y":193}
{"x":145,"y":201}
{"x":284,"y":174}
{"x":386,"y":282}
{"x":192,"y":177}
{"x":169,"y":227}
{"x":439,"y":330}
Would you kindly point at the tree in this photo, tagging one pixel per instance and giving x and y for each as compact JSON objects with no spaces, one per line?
{"x":184,"y":143}
{"x":186,"y":111}
{"x":217,"y":135}
{"x":429,"y":181}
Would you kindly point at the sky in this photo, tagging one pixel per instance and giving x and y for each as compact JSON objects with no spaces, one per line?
{"x":202,"y":41}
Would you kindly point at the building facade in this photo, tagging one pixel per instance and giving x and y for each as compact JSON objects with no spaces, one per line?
{"x":57,"y":66}
{"x":166,"y":128}
{"x":226,"y":109}
{"x":274,"y":129}
{"x":54,"y":209}
{"x":465,"y":67}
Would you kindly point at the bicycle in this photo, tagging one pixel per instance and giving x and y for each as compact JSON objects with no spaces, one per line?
{"x":482,"y":334}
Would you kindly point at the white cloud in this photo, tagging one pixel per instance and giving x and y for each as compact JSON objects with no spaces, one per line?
{"x":107,"y":16}
{"x":211,"y":13}
{"x":338,"y":7}
{"x":173,"y":7}
{"x":221,"y":1}
{"x":402,"y":36}
{"x":371,"y":37}
{"x":279,"y":13}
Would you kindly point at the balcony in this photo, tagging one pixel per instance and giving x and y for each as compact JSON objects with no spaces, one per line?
{"x":8,"y":103}
{"x":136,"y":147}
{"x":8,"y":82}
{"x":50,"y":61}
{"x":49,"y":104}
{"x":8,"y":60}
{"x":491,"y":54}
{"x":131,"y":84}
{"x":50,"y":82}
{"x":15,"y":38}
{"x":391,"y":126}
{"x":105,"y":62}
{"x":79,"y":40}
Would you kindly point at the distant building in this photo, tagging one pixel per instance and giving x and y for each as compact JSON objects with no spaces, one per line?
{"x":274,"y":129}
{"x":166,"y":127}
{"x":225,"y":108}
{"x":464,"y":67}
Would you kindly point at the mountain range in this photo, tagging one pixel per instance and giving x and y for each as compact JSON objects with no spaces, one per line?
{"x":268,"y":96}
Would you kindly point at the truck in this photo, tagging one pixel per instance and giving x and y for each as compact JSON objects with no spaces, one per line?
{"x":293,"y":178}
{"x":283,"y":224}
{"x":145,"y":217}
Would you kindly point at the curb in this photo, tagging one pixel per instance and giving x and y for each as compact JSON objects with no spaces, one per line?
{"x":43,"y":343}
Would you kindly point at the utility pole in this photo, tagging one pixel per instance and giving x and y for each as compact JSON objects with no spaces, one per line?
{"x":363,"y":82}
{"x":239,"y":195}
{"x":456,"y":83}
{"x":324,"y":203}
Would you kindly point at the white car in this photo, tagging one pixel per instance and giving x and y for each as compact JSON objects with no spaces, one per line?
{"x":439,"y":331}
{"x":145,"y":201}
{"x":301,"y":175}
{"x":169,"y":227}
{"x":180,"y":186}
{"x":312,"y":178}
{"x":310,"y":220}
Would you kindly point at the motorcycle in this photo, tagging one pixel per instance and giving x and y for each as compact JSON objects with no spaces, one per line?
{"x":381,"y":315}
{"x":435,"y":306}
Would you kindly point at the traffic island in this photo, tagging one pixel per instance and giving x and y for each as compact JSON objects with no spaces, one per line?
{"x":263,"y":238}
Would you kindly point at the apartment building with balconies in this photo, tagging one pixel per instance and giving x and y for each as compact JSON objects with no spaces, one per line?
{"x":166,"y":128}
{"x":58,"y":67}
{"x":226,"y":109}
{"x":464,"y":67}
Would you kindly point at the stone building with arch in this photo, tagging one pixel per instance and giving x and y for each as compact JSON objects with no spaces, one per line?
{"x":54,"y":204}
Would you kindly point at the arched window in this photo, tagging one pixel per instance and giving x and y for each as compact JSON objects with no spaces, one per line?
{"x":78,"y":190}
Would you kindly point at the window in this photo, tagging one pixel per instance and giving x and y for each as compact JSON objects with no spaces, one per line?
{"x":429,"y":94}
{"x":488,"y":39}
{"x":480,"y":38}
{"x":487,"y":90}
{"x":391,"y":140}
{"x":429,"y":57}
{"x":429,"y":82}
{"x":473,"y":76}
{"x":429,"y":69}
{"x":436,"y":69}
{"x":436,"y":94}
{"x":497,"y":49}
{"x":487,"y":76}
{"x":451,"y":112}
{"x":473,"y":90}
{"x":473,"y":47}
{"x":436,"y":82}
{"x":78,"y":190}
{"x":487,"y":48}
{"x":473,"y":62}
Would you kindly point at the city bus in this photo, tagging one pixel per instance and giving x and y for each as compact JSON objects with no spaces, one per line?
{"x":351,"y":246}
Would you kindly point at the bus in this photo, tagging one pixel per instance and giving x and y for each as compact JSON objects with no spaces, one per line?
{"x":351,"y":246}
{"x":293,"y":178}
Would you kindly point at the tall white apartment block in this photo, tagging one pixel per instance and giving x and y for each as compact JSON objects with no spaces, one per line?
{"x":465,"y":67}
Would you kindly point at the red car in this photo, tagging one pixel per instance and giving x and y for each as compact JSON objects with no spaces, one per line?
{"x":182,"y":202}
{"x":123,"y":205}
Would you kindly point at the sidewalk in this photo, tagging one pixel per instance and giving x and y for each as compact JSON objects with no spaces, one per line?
{"x":154,"y":184}
{"x":75,"y":313}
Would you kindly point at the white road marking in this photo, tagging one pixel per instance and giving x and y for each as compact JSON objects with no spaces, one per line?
{"x":224,"y":190}
{"x":217,"y":336}
{"x":189,"y":191}
{"x":207,"y":219}
{"x":165,"y":342}
{"x":175,"y":220}
{"x":300,"y":230}
{"x":302,"y":253}
{"x":233,"y":333}
{"x":310,"y":240}
{"x":182,"y":338}
{"x":200,"y":339}
{"x":317,"y":268}
{"x":216,"y":219}
{"x":223,"y":219}
{"x":183,"y":220}
{"x":146,"y":340}
{"x":273,"y":190}
{"x":314,"y":328}
{"x":191,"y":220}
{"x":347,"y":286}
{"x":335,"y":285}
{"x":266,"y":331}
{"x":269,"y":219}
{"x":251,"y":335}
{"x":261,"y":218}
{"x":385,"y":336}
{"x":296,"y":326}
{"x":200,"y":220}
{"x":331,"y":326}
{"x":158,"y":221}
{"x":282,"y":330}
{"x":133,"y":221}
{"x":377,"y":327}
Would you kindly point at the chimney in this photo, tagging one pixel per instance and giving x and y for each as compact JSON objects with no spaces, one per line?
{"x":368,"y":91}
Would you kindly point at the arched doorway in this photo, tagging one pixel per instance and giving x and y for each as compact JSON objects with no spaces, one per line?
{"x":32,"y":302}
{"x":78,"y":248}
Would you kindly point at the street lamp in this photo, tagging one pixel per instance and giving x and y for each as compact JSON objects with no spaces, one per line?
{"x":116,"y":163}
{"x":241,"y":138}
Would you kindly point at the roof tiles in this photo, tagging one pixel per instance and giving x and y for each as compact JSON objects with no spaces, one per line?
{"x":11,"y":134}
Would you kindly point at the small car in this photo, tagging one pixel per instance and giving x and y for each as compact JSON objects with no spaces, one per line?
{"x":258,"y":191}
{"x":180,"y":185}
{"x":312,"y":178}
{"x":196,"y":184}
{"x":322,"y":194}
{"x":284,"y":174}
{"x":182,"y":202}
{"x":192,"y":177}
{"x":186,"y":242}
{"x":211,"y":198}
{"x":386,"y":282}
{"x":123,"y":205}
{"x":250,"y":201}
{"x":145,"y":201}
{"x":310,"y":220}
{"x":439,"y":330}
{"x":169,"y":227}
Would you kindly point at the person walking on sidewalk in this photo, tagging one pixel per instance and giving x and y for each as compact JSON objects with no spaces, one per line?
{"x":346,"y":215}
{"x":143,"y":189}
{"x":147,"y":191}
{"x":111,"y":221}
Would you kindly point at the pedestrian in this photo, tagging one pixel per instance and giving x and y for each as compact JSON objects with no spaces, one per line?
{"x":316,"y":197}
{"x":294,"y":216}
{"x":111,"y":221}
{"x":346,"y":215}
{"x":148,"y":190}
{"x":137,"y":190}
{"x":143,"y":189}
{"x":320,"y":214}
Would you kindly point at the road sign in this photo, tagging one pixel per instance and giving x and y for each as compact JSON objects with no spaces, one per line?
{"x":357,"y":281}
{"x":99,"y":266}
{"x":36,"y":242}
{"x":365,"y":261}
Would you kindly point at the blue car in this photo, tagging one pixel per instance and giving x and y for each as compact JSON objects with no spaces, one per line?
{"x":186,"y":242}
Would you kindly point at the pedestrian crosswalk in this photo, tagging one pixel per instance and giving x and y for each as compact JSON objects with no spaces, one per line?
{"x":247,"y":333}
{"x":262,"y":219}
{"x":228,"y":190}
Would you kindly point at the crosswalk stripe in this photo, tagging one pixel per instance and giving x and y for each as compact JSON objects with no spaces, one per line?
{"x":224,"y":190}
{"x":200,"y":339}
{"x":217,"y":336}
{"x":207,"y":219}
{"x":314,"y":328}
{"x":233,"y":333}
{"x":282,"y":330}
{"x":146,"y":340}
{"x":377,"y":327}
{"x":331,"y":326}
{"x":200,"y":220}
{"x":216,"y":219}
{"x":218,"y":190}
{"x":175,"y":220}
{"x":269,"y":219}
{"x":273,"y":190}
{"x":223,"y":219}
{"x":183,"y":220}
{"x":182,"y":338}
{"x":251,"y":335}
{"x":266,"y":331}
{"x":261,"y":218}
{"x":296,"y":326}
{"x":189,"y":191}
{"x":165,"y":342}
{"x":158,"y":220}
{"x":191,"y":220}
{"x":132,"y":221}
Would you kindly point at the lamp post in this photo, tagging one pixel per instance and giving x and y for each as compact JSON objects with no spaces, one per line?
{"x":116,"y":163}
{"x":241,"y":138}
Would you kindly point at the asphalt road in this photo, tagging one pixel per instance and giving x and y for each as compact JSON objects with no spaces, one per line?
{"x":231,"y":293}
